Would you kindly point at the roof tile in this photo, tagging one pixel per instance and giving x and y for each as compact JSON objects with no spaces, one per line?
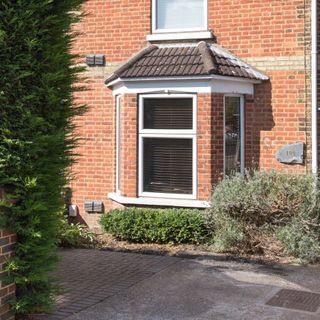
{"x":203,"y":59}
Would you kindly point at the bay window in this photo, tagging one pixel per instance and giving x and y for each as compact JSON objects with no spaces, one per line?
{"x":167,"y":146}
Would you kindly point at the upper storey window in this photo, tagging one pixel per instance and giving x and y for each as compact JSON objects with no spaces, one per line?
{"x":179,"y":15}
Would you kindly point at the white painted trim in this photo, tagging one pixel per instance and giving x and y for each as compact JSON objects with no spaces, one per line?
{"x":242,"y":136}
{"x":205,"y":15}
{"x":180,"y":30}
{"x":182,"y":78}
{"x":199,"y":35}
{"x":242,"y":132}
{"x":153,"y":16}
{"x":154,"y":21}
{"x":224,"y":136}
{"x":171,"y":134}
{"x":314,"y":85}
{"x":168,"y":96}
{"x":114,"y":82}
{"x":185,"y":86}
{"x":140,"y":163}
{"x":124,"y":80}
{"x":168,"y":131}
{"x":167,"y":195}
{"x":194,"y":168}
{"x":165,"y":202}
{"x":195,"y":160}
{"x":118,"y":142}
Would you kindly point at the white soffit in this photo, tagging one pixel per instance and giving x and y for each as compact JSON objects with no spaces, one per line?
{"x":204,"y":85}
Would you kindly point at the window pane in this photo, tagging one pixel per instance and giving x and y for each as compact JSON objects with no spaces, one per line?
{"x":180,"y":14}
{"x":167,"y":114}
{"x":167,"y":165}
{"x":232,"y":135}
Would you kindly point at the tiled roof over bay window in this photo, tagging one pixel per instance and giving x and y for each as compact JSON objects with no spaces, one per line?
{"x":200,"y":59}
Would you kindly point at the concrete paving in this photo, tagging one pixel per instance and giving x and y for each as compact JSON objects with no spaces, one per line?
{"x":125,"y":286}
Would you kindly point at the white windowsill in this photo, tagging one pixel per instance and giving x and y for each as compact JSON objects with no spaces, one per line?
{"x":199,"y":35}
{"x":159,"y":201}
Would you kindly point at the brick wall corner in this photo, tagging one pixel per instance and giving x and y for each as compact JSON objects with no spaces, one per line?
{"x":7,"y":290}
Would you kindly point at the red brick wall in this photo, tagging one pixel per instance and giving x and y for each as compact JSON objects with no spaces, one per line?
{"x":217,"y":137}
{"x":250,"y":28}
{"x":254,"y":28}
{"x":250,"y":144}
{"x":7,"y":291}
{"x":204,"y":145}
{"x":279,"y":118}
{"x":260,"y":31}
{"x":273,"y":36}
{"x":129,"y":148}
{"x":116,"y":28}
{"x":96,"y":162}
{"x":270,"y":35}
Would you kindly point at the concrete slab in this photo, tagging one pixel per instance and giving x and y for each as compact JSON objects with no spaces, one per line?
{"x":146,"y":287}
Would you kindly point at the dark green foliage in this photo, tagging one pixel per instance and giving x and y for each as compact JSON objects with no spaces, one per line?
{"x":36,"y":141}
{"x":75,"y":235}
{"x":155,"y":225}
{"x":245,"y":209}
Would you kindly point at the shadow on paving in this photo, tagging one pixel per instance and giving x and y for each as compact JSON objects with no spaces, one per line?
{"x":103,"y":285}
{"x":90,"y":276}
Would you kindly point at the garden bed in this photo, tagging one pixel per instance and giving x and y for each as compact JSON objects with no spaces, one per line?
{"x":273,"y":253}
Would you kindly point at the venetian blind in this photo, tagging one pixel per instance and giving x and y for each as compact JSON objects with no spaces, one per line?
{"x":167,"y":165}
{"x":168,"y":114}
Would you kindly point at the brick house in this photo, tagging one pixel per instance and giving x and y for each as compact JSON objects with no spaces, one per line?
{"x":181,"y":92}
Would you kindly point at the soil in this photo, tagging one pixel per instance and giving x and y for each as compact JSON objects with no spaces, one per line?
{"x":268,"y":250}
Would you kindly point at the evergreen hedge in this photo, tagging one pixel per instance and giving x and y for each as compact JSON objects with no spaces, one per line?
{"x":147,"y":225}
{"x":36,"y":141}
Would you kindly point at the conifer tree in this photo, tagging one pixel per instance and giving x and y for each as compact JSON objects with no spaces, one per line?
{"x":37,"y":108}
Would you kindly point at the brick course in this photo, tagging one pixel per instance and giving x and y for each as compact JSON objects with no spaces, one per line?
{"x":273,"y":36}
{"x":129,"y":146}
{"x":7,"y":291}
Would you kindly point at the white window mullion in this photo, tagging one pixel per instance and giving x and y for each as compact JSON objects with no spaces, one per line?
{"x":185,"y":134}
{"x":242,"y":136}
{"x":118,"y":142}
{"x":194,"y":169}
{"x":140,"y":155}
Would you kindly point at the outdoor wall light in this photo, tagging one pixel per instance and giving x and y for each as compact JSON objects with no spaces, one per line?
{"x":73,"y":210}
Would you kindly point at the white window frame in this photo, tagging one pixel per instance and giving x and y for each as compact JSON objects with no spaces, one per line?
{"x":170,"y":134}
{"x":154,"y":21}
{"x":242,"y":132}
{"x":118,"y":141}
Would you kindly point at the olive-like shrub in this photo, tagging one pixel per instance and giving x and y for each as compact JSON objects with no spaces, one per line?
{"x":280,"y":205}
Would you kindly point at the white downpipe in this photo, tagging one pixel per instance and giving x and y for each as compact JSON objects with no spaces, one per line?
{"x":314,"y":82}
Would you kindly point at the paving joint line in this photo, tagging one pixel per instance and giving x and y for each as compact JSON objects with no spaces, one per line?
{"x":177,"y":259}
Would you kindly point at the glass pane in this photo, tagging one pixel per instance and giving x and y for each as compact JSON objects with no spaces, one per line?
{"x":167,"y":114}
{"x":232,"y":135}
{"x":167,"y":165}
{"x":180,"y":14}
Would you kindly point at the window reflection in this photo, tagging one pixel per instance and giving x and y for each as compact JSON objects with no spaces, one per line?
{"x":232,"y":135}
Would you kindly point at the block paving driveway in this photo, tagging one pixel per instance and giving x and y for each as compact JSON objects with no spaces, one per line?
{"x":101,"y":285}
